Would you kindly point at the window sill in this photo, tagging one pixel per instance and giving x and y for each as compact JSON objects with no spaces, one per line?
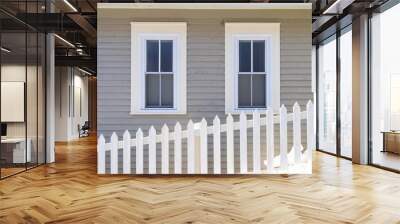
{"x":245,"y":110}
{"x":158,"y":112}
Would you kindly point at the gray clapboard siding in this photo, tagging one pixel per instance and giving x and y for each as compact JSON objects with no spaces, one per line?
{"x":205,"y":69}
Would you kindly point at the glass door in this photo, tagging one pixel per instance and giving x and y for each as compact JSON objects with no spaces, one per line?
{"x":327,"y":95}
{"x":22,"y":78}
{"x":14,"y":155}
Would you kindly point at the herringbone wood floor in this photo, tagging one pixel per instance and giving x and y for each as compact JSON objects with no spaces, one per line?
{"x":69,"y":191}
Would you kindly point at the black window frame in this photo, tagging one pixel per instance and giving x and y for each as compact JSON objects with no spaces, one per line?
{"x":160,"y":74}
{"x":252,"y":74}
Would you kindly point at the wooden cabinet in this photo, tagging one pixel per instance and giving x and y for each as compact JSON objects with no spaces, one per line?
{"x":391,"y":142}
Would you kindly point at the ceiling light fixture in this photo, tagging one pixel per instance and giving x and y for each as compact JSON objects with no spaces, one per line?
{"x":84,"y":71}
{"x":337,"y":7}
{"x":70,"y":5}
{"x":5,"y":50}
{"x":64,"y":40}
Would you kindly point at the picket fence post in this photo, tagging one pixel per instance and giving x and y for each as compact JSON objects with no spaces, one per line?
{"x":229,"y":145}
{"x":139,"y":151}
{"x":283,"y":139}
{"x":152,"y":151}
{"x":165,"y":149}
{"x":243,"y":143}
{"x":190,"y":148}
{"x":256,"y":143}
{"x":217,"y":145}
{"x":101,"y":155}
{"x":297,"y":133}
{"x":310,"y":130}
{"x":203,"y":147}
{"x":270,"y":139}
{"x":114,"y":153}
{"x":127,"y":152}
{"x":178,"y":148}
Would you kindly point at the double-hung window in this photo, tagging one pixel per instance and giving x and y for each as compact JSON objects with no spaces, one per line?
{"x":159,"y":73}
{"x":251,"y":73}
{"x":158,"y":64}
{"x":252,"y":66}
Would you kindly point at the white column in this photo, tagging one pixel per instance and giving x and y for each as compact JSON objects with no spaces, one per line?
{"x":360,"y":90}
{"x":50,"y":101}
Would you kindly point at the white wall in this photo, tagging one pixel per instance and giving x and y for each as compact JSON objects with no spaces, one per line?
{"x":79,"y":117}
{"x":62,"y":81}
{"x":70,"y":83}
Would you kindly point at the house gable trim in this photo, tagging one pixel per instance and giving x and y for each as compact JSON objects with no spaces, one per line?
{"x":208,"y":6}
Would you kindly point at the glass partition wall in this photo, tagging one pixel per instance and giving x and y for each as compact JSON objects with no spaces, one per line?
{"x":334,"y":94}
{"x":385,"y":90}
{"x":22,"y":78}
{"x":327,"y":95}
{"x":345,"y":62}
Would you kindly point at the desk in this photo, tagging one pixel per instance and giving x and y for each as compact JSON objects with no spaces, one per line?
{"x":18,"y":149}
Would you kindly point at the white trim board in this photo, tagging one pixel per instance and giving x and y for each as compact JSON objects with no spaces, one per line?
{"x":208,"y":6}
{"x":270,"y":31}
{"x":174,"y":30}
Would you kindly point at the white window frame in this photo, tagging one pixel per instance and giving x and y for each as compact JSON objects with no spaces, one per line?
{"x":140,"y":33}
{"x":270,"y":32}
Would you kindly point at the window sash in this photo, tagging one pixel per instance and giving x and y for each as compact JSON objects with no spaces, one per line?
{"x":160,"y":89}
{"x":251,"y":73}
{"x":159,"y":74}
{"x":252,"y":91}
{"x":251,"y":61}
{"x":159,"y":54}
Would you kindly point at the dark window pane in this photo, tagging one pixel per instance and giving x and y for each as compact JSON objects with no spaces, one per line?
{"x":244,"y":98}
{"x":258,"y":56}
{"x":152,"y":55}
{"x":244,"y":56}
{"x":259,"y":90}
{"x":152,"y":90}
{"x":167,"y":90}
{"x":166,"y":56}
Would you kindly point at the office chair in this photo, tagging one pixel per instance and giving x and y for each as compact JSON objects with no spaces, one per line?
{"x":84,"y":130}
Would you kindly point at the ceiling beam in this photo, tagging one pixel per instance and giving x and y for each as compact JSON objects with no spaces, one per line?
{"x":86,"y":27}
{"x":83,"y":61}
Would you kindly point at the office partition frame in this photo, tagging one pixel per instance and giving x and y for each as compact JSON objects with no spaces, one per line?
{"x":339,"y":32}
{"x":41,"y":43}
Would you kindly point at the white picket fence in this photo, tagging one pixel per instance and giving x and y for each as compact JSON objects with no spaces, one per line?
{"x":298,"y":161}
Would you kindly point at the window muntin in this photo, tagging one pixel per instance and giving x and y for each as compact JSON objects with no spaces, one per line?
{"x":251,"y":75}
{"x":159,"y":75}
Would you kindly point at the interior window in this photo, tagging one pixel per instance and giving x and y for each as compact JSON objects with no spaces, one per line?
{"x":251,"y":74}
{"x":159,"y":75}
